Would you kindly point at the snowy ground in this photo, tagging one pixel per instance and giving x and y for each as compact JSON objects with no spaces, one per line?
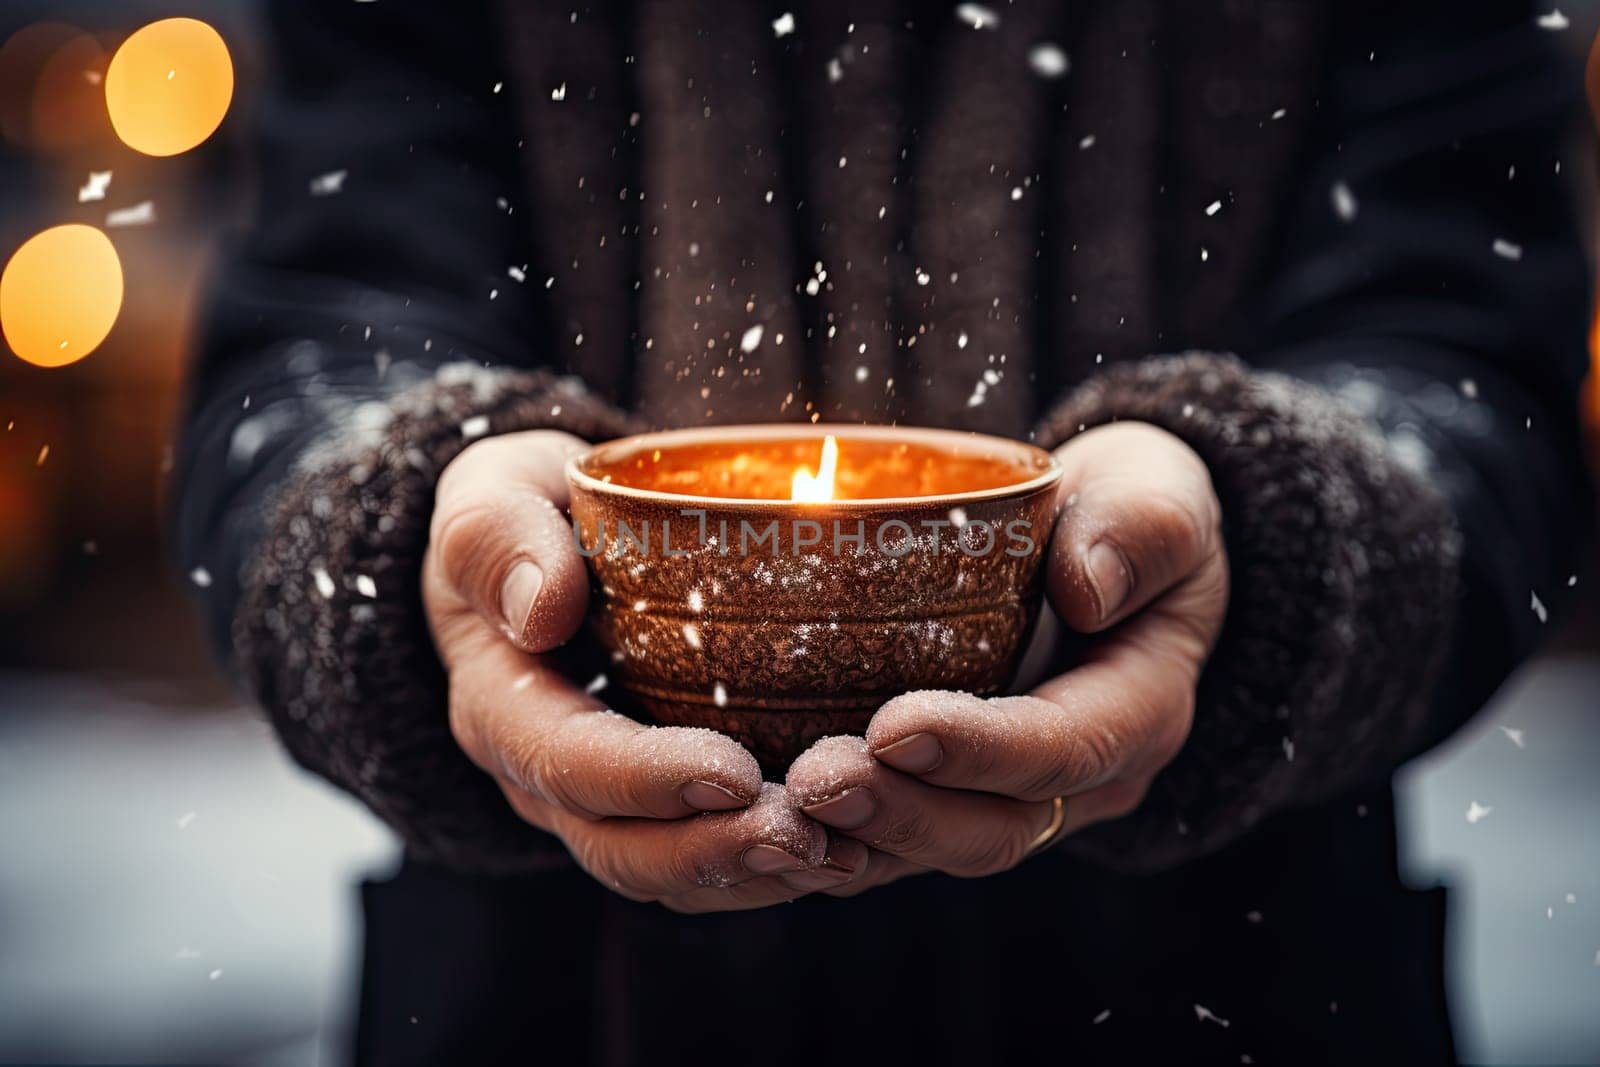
{"x":174,"y":891}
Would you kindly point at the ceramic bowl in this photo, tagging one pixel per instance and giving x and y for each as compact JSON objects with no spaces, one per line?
{"x":725,"y":604}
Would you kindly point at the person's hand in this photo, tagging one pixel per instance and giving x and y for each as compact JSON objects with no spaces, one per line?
{"x":950,"y":782}
{"x":504,"y":585}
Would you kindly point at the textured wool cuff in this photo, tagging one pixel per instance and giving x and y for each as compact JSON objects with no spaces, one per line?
{"x":330,"y":634}
{"x":1344,"y":561}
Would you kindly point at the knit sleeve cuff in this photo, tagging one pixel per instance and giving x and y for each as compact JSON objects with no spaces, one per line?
{"x":330,"y":636}
{"x":1344,"y":561}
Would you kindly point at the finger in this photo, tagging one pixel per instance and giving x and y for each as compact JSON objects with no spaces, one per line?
{"x":1139,"y":514}
{"x":882,"y":869}
{"x":845,"y":863}
{"x":525,"y":723}
{"x":1125,"y":711}
{"x":651,"y":860}
{"x":746,"y":896}
{"x":839,"y":784}
{"x":500,"y":544}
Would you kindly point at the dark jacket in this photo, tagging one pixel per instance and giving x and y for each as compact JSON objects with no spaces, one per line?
{"x":568,"y":218}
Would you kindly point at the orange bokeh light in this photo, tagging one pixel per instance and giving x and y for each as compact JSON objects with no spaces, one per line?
{"x":169,"y":86}
{"x":60,"y":295}
{"x":51,"y":97}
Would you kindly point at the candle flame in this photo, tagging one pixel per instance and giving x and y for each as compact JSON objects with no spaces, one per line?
{"x":817,"y":487}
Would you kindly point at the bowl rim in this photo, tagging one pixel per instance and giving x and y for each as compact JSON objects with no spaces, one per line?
{"x":783,"y":431}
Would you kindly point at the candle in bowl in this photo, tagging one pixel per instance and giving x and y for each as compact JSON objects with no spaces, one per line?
{"x":778,"y":583}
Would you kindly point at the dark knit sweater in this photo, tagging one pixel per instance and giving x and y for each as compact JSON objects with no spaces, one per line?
{"x":950,"y":238}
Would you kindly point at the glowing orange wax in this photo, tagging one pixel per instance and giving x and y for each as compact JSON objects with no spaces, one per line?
{"x":864,"y":467}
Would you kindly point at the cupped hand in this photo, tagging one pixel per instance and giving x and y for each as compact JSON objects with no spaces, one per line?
{"x":666,"y":814}
{"x":950,"y":782}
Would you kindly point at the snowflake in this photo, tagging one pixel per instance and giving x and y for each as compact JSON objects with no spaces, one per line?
{"x":1048,"y":61}
{"x":330,"y":183}
{"x":1344,"y":201}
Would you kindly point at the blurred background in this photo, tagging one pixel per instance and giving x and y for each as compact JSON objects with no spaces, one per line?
{"x":175,"y":891}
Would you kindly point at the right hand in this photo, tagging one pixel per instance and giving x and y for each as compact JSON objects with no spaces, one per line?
{"x":669,"y":814}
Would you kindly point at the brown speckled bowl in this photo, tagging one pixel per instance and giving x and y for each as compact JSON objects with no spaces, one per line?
{"x":725,"y":604}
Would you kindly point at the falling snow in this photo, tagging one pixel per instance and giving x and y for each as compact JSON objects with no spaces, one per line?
{"x":95,"y":187}
{"x":142,"y":214}
{"x":1344,"y":201}
{"x":1048,"y":60}
{"x":751,"y":338}
{"x":329,"y":184}
{"x":783,"y":25}
{"x":1513,"y":735}
{"x":1555,"y":20}
{"x":200,"y":577}
{"x":1477,"y":812}
{"x":475,"y":427}
{"x":1507,"y":249}
{"x":1538,"y":606}
{"x":1206,"y":1015}
{"x":977,"y":16}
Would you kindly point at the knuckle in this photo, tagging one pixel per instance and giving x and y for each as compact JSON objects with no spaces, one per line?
{"x":465,"y":542}
{"x":907,"y":831}
{"x":994,"y":853}
{"x":559,"y":770}
{"x":1044,"y":782}
{"x":1094,"y":748}
{"x":604,"y":862}
{"x":525,"y":759}
{"x":685,"y":865}
{"x":1180,"y":524}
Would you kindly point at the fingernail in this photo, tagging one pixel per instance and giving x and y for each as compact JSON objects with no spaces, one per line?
{"x":917,"y":754}
{"x":517,"y":595}
{"x":765,"y":859}
{"x":831,"y":864}
{"x":1108,"y":573}
{"x":847,"y":811}
{"x":825,"y":877}
{"x":709,"y":796}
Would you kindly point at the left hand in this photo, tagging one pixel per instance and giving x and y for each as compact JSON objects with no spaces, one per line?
{"x":950,"y":782}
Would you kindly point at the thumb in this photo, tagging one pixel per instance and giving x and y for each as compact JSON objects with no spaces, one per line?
{"x":499,"y":543}
{"x":1139,"y":515}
